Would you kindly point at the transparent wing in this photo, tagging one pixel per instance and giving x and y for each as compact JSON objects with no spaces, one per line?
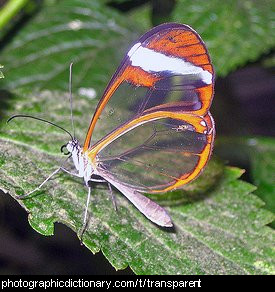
{"x":167,"y":69}
{"x":157,"y":152}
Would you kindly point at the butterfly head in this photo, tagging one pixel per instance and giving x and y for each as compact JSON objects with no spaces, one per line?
{"x":70,"y":147}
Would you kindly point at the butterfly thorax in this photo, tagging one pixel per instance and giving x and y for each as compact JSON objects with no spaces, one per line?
{"x":80,"y":160}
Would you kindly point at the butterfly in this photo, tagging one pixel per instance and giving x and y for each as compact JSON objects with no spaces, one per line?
{"x":158,"y":133}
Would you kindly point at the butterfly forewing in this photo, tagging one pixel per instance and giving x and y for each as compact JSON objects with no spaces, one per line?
{"x":168,"y":67}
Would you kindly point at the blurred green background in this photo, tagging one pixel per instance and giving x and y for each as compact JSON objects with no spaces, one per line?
{"x":36,"y":48}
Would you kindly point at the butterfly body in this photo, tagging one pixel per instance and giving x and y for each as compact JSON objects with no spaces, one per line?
{"x":80,"y":160}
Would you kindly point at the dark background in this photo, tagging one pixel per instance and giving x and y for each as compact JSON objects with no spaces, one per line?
{"x":247,"y":94}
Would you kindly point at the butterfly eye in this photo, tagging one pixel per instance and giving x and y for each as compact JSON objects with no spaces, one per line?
{"x":64,"y":150}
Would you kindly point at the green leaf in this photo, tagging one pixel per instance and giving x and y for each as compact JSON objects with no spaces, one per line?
{"x":68,"y":31}
{"x":263,"y":168}
{"x":1,"y":73}
{"x":219,"y":228}
{"x":219,"y":223}
{"x":141,"y":17}
{"x":259,"y":154}
{"x":235,"y":32}
{"x":269,"y":61}
{"x":75,"y":31}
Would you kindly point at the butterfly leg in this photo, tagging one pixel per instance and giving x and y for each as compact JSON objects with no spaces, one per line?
{"x":112,"y":196}
{"x":87,"y":205}
{"x":41,"y":185}
{"x":85,"y":217}
{"x":98,"y":180}
{"x":110,"y":189}
{"x":71,"y":173}
{"x":46,"y":180}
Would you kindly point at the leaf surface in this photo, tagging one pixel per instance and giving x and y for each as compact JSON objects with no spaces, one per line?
{"x":235,"y":32}
{"x":219,"y":224}
{"x":258,"y":153}
{"x":87,"y":33}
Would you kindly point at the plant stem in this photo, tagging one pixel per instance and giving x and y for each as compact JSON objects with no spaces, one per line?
{"x":9,"y":10}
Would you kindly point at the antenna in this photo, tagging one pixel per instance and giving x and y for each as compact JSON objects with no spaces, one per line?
{"x":71,"y":97}
{"x":51,"y":123}
{"x":42,"y":120}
